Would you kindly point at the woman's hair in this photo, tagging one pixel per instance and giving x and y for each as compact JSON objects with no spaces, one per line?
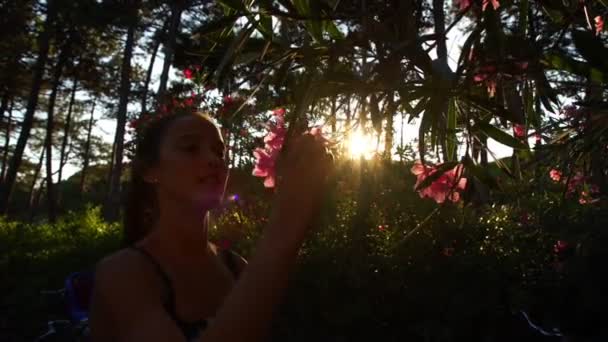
{"x":141,"y":207}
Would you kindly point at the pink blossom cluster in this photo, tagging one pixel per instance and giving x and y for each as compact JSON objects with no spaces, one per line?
{"x":599,"y":25}
{"x":464,"y":4}
{"x":489,"y":74}
{"x":444,"y":187}
{"x":266,"y":157}
{"x":560,"y":246}
{"x":519,"y":130}
{"x":578,"y":181}
{"x":575,"y":115}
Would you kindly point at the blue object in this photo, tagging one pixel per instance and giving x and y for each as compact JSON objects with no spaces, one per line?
{"x":78,"y":292}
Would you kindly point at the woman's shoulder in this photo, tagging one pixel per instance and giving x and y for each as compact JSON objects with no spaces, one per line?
{"x":122,"y":270}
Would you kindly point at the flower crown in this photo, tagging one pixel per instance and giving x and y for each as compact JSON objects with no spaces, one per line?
{"x":170,"y":108}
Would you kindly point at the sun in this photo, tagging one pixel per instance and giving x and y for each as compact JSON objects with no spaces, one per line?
{"x":361,"y":145}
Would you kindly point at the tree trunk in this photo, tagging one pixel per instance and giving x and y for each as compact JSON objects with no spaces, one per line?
{"x":4,"y":105}
{"x":401,"y":138}
{"x":7,"y":140}
{"x":37,"y":197}
{"x":113,"y":201}
{"x":144,"y":98}
{"x":28,"y":118}
{"x":66,"y":134}
{"x":439,"y":19}
{"x":333,"y":115}
{"x":110,"y":167}
{"x":87,"y":147}
{"x":50,"y":126}
{"x":177,"y":7}
{"x":442,"y":59}
{"x":35,"y":180}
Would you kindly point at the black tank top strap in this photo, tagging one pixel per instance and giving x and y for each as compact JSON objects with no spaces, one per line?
{"x":189,"y":329}
{"x":168,"y":297}
{"x":169,"y":291}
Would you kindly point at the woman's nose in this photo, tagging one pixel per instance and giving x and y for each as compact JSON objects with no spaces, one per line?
{"x":212,"y":160}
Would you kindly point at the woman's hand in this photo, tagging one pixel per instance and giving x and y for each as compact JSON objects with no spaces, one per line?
{"x":301,"y":185}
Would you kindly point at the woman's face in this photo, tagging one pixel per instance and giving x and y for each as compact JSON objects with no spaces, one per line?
{"x":192,"y":168}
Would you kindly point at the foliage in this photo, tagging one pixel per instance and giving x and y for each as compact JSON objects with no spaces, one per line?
{"x":36,"y":257}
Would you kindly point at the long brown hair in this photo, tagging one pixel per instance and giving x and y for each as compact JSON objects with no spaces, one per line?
{"x":141,"y":207}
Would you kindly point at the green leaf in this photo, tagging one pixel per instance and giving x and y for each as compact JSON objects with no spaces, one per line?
{"x":439,"y":171}
{"x":523,"y":17}
{"x":492,"y":108}
{"x":451,"y":131}
{"x":265,"y":26}
{"x":534,"y":117}
{"x":333,"y":30}
{"x":237,"y":43}
{"x":559,"y":61}
{"x":466,"y":49}
{"x":313,"y":26}
{"x":483,"y":174}
{"x":499,"y":135}
{"x":591,"y":48}
{"x":234,"y":4}
{"x":216,"y":25}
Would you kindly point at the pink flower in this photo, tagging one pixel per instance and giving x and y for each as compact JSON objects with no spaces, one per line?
{"x":586,"y":198}
{"x":570,"y":111}
{"x":189,"y":102}
{"x":519,"y":130}
{"x":464,"y":4}
{"x":555,"y":175}
{"x":575,"y":181}
{"x":560,"y":246}
{"x":484,"y":73}
{"x":188,"y":74}
{"x":445,"y":187}
{"x":265,"y":166}
{"x":538,"y":138}
{"x":266,"y":157}
{"x":495,"y":4}
{"x":491,"y":85}
{"x":276,"y":134}
{"x":599,"y":25}
{"x":279,"y":112}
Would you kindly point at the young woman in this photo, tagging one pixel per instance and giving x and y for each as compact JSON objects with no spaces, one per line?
{"x":172,"y":284}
